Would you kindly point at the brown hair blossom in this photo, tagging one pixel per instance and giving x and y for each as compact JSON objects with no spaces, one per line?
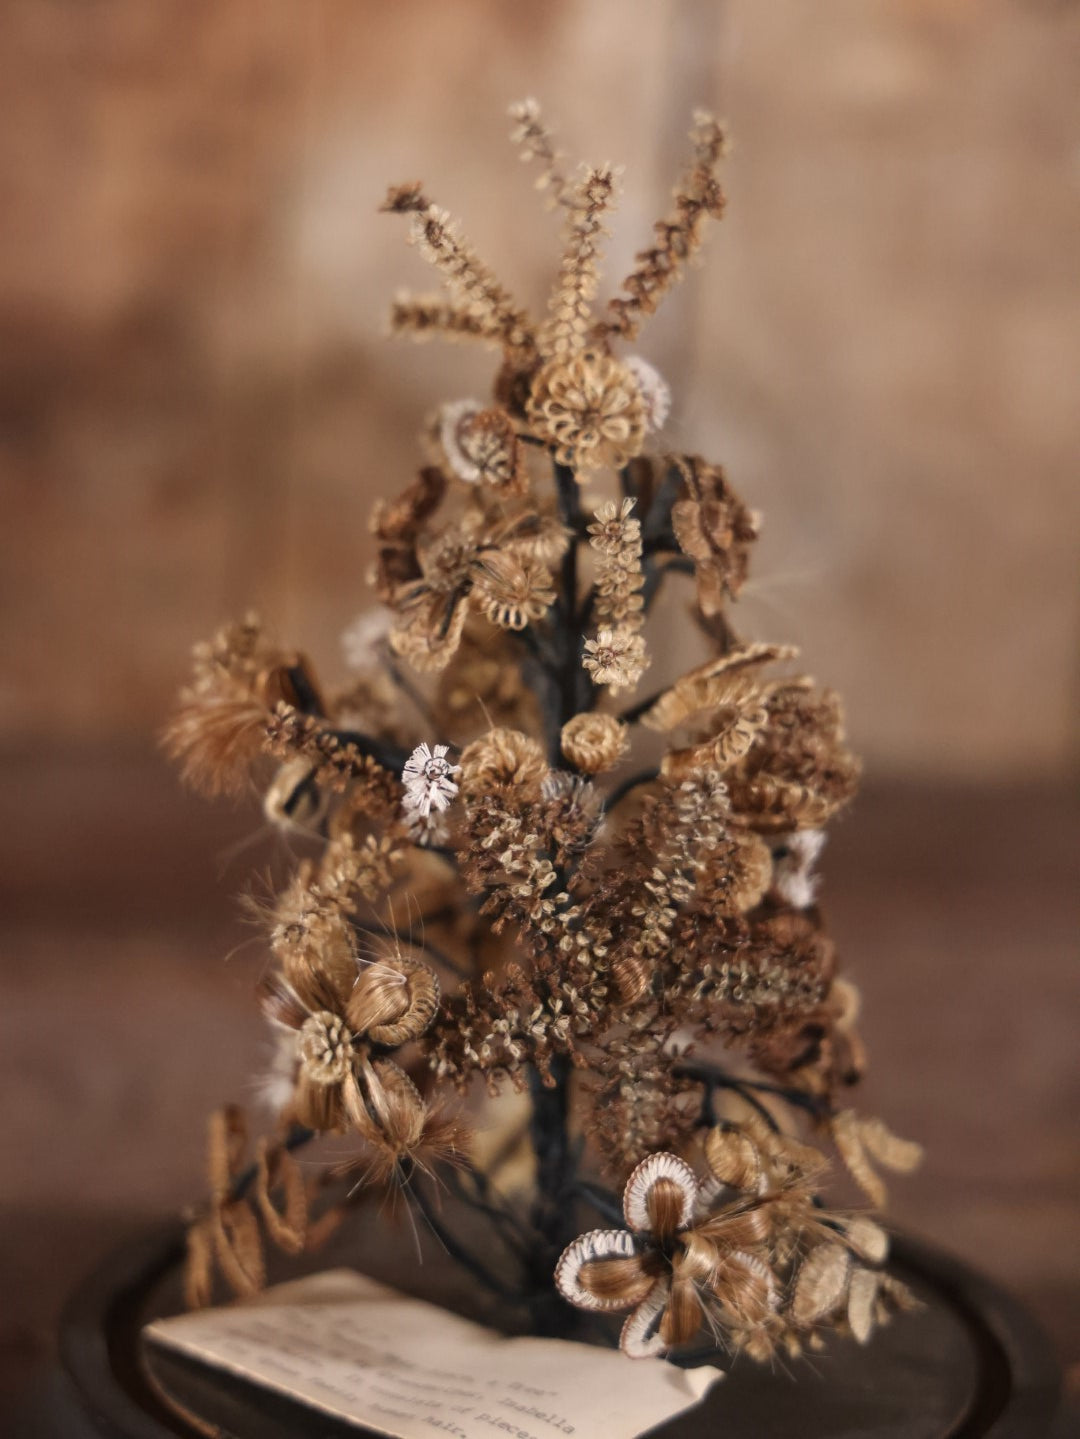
{"x":487,"y":900}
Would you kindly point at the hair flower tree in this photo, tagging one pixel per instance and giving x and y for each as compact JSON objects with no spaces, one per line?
{"x":637,"y":950}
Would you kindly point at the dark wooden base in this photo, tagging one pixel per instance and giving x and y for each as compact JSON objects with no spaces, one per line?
{"x":971,"y":1363}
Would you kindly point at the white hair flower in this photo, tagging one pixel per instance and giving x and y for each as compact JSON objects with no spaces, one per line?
{"x":427,"y":781}
{"x":794,"y":858}
{"x":361,"y":638}
{"x":655,"y":395}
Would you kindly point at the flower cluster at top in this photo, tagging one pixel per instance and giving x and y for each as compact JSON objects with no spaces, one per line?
{"x":520,"y":868}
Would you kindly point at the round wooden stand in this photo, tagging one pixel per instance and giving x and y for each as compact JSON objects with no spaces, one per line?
{"x":971,"y":1363}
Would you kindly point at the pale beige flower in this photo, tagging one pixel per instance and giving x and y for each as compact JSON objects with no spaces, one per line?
{"x":589,"y":409}
{"x":615,"y":658}
{"x":614,"y":530}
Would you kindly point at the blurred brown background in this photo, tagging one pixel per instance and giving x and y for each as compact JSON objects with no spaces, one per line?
{"x":197,"y":407}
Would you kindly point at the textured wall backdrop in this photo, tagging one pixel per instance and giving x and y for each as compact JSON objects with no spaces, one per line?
{"x":198,"y":405}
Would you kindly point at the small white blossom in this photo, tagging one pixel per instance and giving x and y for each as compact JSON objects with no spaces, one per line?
{"x":655,"y":395}
{"x":276,"y":1086}
{"x":361,"y":638}
{"x":451,"y":418}
{"x":427,"y":781}
{"x":794,"y":858}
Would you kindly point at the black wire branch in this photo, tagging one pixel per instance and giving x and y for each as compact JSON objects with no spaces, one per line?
{"x":604,"y":1202}
{"x":405,"y":685}
{"x":655,"y":574}
{"x":454,"y":1247}
{"x":656,"y":532}
{"x":487,"y":1200}
{"x":712,"y":1076}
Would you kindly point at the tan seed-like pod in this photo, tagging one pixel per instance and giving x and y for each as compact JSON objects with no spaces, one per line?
{"x":868,"y":1239}
{"x":862,"y":1302}
{"x":594,"y":742}
{"x":394,"y":1000}
{"x":847,"y":1135}
{"x":900,"y":1155}
{"x":734,"y":1159}
{"x":821,"y":1283}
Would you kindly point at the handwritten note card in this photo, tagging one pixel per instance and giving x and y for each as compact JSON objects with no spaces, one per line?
{"x":362,"y":1352}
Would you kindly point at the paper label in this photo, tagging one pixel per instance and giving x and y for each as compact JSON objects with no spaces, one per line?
{"x":363,"y":1352}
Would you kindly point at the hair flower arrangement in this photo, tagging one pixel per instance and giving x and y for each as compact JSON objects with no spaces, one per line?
{"x":600,"y":896}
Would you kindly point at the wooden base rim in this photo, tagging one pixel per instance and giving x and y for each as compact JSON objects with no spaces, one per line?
{"x":979,"y":1366}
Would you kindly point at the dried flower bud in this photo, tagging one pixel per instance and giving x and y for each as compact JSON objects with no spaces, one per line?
{"x":594,"y":742}
{"x":716,"y":529}
{"x":632,"y":976}
{"x":503,"y":757}
{"x":858,"y":1140}
{"x":394,"y":1000}
{"x":481,"y":446}
{"x":821,"y":1283}
{"x":386,"y":1108}
{"x":866,"y":1238}
{"x":902,"y":1156}
{"x":428,"y":629}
